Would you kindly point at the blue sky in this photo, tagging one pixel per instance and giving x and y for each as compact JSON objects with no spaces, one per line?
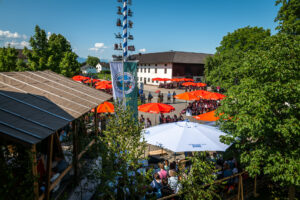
{"x":159,"y":25}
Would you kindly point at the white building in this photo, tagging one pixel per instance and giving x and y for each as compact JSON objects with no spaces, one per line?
{"x":101,"y":67}
{"x":172,"y":64}
{"x":88,"y":69}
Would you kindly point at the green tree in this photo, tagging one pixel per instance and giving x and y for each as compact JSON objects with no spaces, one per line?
{"x":121,"y":148}
{"x":223,"y":68}
{"x":93,"y":61}
{"x":69,"y":64}
{"x":8,"y":59}
{"x":199,"y":183}
{"x":54,"y":53}
{"x":288,"y":16}
{"x":262,"y":112}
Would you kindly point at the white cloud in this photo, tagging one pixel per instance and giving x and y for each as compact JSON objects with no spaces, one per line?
{"x":10,"y":35}
{"x":17,"y":44}
{"x":98,"y":46}
{"x":142,"y":50}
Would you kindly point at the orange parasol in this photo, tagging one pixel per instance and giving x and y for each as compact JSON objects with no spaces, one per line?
{"x":157,"y":91}
{"x":200,"y":93}
{"x":103,"y":86}
{"x":90,"y":80}
{"x":175,"y":79}
{"x":80,"y":78}
{"x":102,"y":82}
{"x":210,"y":116}
{"x":200,"y":84}
{"x":165,"y":79}
{"x":105,"y":107}
{"x":189,"y":84}
{"x":156,"y":108}
{"x":188,"y":96}
{"x":189,"y":79}
{"x":156,"y":79}
{"x":215,"y":96}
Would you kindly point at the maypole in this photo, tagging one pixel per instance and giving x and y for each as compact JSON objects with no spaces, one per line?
{"x":125,"y":30}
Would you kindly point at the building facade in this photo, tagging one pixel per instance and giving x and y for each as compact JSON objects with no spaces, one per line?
{"x":172,"y":64}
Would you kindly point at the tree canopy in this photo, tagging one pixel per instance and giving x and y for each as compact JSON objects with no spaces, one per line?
{"x":288,"y":16}
{"x":262,"y":112}
{"x":54,"y":53}
{"x":223,"y":69}
{"x":93,"y":61}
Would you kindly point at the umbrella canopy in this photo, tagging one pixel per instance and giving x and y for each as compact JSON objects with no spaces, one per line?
{"x":80,"y":78}
{"x":200,"y":93}
{"x":90,"y":80}
{"x":189,"y":84}
{"x":165,"y":79}
{"x":105,"y":107}
{"x":188,"y":96}
{"x":189,"y":79}
{"x":156,"y":108}
{"x":157,"y":91}
{"x":209,"y":116}
{"x":176,"y":79}
{"x":185,"y":137}
{"x":215,"y":96}
{"x":102,"y":82}
{"x":103,"y":86}
{"x":200,"y":84}
{"x":156,"y":79}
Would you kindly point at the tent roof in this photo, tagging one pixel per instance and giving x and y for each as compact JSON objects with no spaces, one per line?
{"x":33,"y":105}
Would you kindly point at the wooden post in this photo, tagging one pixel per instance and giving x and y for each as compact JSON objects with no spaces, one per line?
{"x":96,"y":121}
{"x":75,"y":148}
{"x":57,"y":141}
{"x":242,"y":188}
{"x":35,"y":173}
{"x":49,"y":166}
{"x":255,"y":186}
{"x":239,"y":188}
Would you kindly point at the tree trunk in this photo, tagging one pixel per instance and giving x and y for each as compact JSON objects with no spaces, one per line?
{"x":291,"y":192}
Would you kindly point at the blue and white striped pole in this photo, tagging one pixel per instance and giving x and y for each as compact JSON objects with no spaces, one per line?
{"x":125,"y":48}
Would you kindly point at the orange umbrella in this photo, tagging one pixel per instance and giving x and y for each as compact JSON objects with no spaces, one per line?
{"x":200,"y":84}
{"x":215,"y":96}
{"x":103,"y":86}
{"x":105,"y":107}
{"x":90,"y":80}
{"x":103,"y":82}
{"x":210,"y":116}
{"x":188,"y":84}
{"x":175,"y":79}
{"x":188,"y":96}
{"x":156,"y":79}
{"x":156,"y":108}
{"x":189,"y":79}
{"x":165,"y":79}
{"x":200,"y":93}
{"x":80,"y":78}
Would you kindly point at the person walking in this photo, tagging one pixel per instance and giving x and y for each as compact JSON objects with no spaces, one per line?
{"x":150,"y":97}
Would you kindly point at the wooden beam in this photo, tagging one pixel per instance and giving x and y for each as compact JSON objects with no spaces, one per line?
{"x":75,"y":149}
{"x":57,"y":142}
{"x":96,"y":121}
{"x":85,"y":149}
{"x":49,"y":165}
{"x":60,"y":177}
{"x":35,"y":173}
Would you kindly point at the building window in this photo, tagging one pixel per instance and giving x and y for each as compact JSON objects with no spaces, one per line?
{"x":156,"y":65}
{"x":148,"y":70}
{"x":165,"y":64}
{"x":152,"y":81}
{"x":149,"y":65}
{"x":156,"y":81}
{"x":155,"y":70}
{"x":148,"y":80}
{"x":166,"y":70}
{"x":141,"y":79}
{"x":144,"y":70}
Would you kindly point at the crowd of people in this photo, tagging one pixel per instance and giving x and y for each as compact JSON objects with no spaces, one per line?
{"x":200,"y":107}
{"x":167,"y":177}
{"x":162,"y":119}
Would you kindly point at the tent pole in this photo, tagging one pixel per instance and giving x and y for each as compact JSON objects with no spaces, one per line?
{"x":34,"y":172}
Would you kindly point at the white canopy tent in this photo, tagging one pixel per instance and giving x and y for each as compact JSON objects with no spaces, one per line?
{"x":185,"y":137}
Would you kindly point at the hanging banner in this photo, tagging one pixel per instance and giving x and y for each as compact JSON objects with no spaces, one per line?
{"x":127,"y":72}
{"x":131,"y":89}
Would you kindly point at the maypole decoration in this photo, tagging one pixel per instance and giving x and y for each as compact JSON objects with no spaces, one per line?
{"x":125,"y":30}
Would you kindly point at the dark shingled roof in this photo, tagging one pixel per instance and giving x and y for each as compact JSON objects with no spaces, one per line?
{"x":171,"y":57}
{"x":33,"y":105}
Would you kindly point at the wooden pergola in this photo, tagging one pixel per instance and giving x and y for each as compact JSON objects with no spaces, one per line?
{"x":34,"y":106}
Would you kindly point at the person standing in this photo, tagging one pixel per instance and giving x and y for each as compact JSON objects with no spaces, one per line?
{"x":169,"y":97}
{"x":150,"y":97}
{"x":174,"y":94}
